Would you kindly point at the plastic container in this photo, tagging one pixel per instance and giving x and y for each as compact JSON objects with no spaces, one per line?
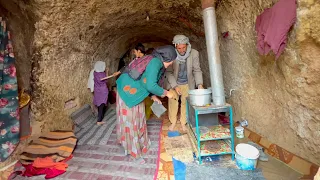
{"x":158,"y":109}
{"x":246,"y":156}
{"x":239,"y":132}
{"x":243,"y":122}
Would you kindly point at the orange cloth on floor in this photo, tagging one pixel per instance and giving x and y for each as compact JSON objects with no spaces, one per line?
{"x":48,"y":162}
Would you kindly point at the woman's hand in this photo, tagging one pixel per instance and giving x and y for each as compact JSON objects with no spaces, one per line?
{"x":178,"y":90}
{"x":169,"y":94}
{"x":156,"y":99}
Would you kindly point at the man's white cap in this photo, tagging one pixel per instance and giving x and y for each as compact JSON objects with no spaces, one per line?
{"x":180,"y":39}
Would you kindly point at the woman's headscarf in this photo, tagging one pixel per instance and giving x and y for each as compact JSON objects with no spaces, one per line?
{"x":165,"y":53}
{"x":99,"y":66}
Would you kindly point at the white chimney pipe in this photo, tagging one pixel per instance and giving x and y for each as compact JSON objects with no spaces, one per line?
{"x":216,"y":78}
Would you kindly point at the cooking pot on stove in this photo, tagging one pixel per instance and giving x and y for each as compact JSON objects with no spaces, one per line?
{"x":200,"y":97}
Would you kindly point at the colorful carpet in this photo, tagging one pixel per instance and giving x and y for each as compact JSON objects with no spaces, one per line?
{"x":86,"y":130}
{"x":108,"y":162}
{"x":182,"y":148}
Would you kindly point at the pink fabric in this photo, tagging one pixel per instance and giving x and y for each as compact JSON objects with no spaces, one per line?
{"x":273,"y":25}
{"x":49,"y":172}
{"x":29,"y":170}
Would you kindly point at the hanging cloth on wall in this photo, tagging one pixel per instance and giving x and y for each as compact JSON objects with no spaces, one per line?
{"x":273,"y":25}
{"x":9,"y":104}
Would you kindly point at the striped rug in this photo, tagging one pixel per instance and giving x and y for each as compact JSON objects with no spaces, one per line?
{"x":86,"y":130}
{"x":58,"y":145}
{"x":107,"y":162}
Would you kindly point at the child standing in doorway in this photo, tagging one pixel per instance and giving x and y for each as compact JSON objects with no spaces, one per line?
{"x":98,"y":85}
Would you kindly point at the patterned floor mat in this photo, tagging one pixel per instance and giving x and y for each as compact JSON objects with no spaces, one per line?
{"x":86,"y":129}
{"x":108,"y":161}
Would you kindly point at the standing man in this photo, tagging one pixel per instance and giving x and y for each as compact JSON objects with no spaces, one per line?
{"x":184,"y":74}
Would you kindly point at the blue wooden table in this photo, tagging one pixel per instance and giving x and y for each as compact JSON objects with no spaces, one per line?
{"x":194,"y":117}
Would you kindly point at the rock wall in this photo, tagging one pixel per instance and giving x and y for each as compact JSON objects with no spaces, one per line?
{"x":280,"y":99}
{"x":71,"y":35}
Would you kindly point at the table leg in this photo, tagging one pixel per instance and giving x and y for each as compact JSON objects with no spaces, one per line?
{"x":232,"y":131}
{"x":198,"y":137}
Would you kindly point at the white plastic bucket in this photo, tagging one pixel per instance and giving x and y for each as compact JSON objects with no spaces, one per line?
{"x":239,"y":132}
{"x":246,"y":156}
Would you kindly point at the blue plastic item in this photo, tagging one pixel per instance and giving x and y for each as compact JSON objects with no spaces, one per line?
{"x":245,"y":163}
{"x":179,"y":169}
{"x":173,"y":133}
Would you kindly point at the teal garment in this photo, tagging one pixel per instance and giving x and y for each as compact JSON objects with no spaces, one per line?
{"x":9,"y":104}
{"x":133,"y":92}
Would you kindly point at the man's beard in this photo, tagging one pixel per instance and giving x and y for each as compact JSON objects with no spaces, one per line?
{"x":182,"y":54}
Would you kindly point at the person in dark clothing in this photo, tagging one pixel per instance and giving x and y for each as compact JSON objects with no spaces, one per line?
{"x":149,"y":51}
{"x":139,"y":51}
{"x":112,"y":95}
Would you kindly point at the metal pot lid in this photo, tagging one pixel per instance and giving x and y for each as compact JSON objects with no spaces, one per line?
{"x":200,"y":91}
